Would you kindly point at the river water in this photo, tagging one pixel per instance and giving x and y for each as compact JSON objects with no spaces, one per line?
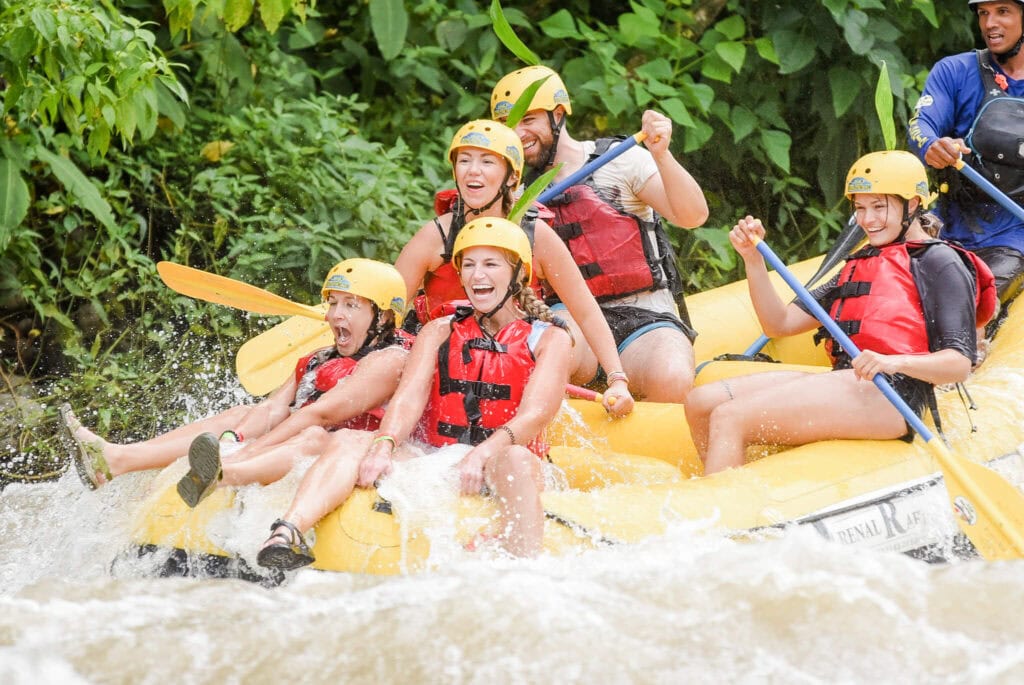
{"x":75,"y":607}
{"x":686,"y":607}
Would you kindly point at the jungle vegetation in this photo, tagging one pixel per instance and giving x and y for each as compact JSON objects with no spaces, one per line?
{"x":265,"y":140}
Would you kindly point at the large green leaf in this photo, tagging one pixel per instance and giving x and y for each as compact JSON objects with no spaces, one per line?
{"x":515,"y":215}
{"x":390,"y":23}
{"x":508,"y":37}
{"x":883,"y":106}
{"x":14,"y":199}
{"x":733,"y":52}
{"x":237,"y":13}
{"x":79,"y":185}
{"x":845,"y":85}
{"x":522,"y":104}
{"x":795,"y":51}
{"x":776,"y":145}
{"x":560,"y":25}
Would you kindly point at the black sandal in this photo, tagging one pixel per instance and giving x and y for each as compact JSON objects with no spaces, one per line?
{"x":204,"y":470}
{"x":289,"y":554}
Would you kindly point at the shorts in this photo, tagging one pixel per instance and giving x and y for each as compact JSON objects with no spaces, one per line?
{"x":1007,"y":265}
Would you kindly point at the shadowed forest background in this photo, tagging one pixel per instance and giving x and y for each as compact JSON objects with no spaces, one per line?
{"x":266,"y":141}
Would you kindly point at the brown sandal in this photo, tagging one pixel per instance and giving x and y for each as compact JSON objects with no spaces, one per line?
{"x":289,"y":554}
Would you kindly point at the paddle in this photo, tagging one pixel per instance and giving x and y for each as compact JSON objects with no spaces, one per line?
{"x":993,"y":192}
{"x":590,"y":167}
{"x":989,"y":510}
{"x":840,"y":249}
{"x":222,"y":290}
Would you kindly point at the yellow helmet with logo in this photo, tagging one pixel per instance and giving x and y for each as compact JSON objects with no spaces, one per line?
{"x":551,"y":94}
{"x":376,"y":281}
{"x":891,"y":172}
{"x":492,"y":136}
{"x":489,"y":231}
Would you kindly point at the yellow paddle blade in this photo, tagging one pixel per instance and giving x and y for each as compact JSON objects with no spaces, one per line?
{"x":266,"y":361}
{"x":227,"y":291}
{"x":988,"y":508}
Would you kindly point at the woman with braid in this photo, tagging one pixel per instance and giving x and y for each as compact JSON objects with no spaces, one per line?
{"x":491,"y":375}
{"x":487,"y":164}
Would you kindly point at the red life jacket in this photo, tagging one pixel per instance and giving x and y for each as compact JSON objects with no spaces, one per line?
{"x":879,"y":306}
{"x":319,"y":371}
{"x":618,"y":253}
{"x":479,"y":382}
{"x":442,"y":288}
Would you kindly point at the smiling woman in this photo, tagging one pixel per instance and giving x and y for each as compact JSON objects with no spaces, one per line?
{"x":487,"y":164}
{"x":339,"y":386}
{"x":491,"y":375}
{"x":911,"y":303}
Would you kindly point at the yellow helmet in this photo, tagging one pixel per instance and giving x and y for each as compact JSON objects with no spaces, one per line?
{"x":495,"y":232}
{"x":489,"y":135}
{"x":550,"y":95}
{"x":892,"y":172}
{"x":376,"y":281}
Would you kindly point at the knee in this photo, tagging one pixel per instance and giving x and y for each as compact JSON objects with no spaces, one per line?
{"x":517,"y":465}
{"x":312,"y":435}
{"x":700,"y":401}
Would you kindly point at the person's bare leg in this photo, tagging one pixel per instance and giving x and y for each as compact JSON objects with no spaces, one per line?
{"x":703,"y":399}
{"x":273,"y":464}
{"x":163,"y":449}
{"x":330,"y":480}
{"x":515,"y":478}
{"x":807,"y":409}
{"x":660,"y":365}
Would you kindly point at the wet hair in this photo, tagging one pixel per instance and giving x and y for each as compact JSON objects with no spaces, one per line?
{"x":536,"y":308}
{"x":931,"y":223}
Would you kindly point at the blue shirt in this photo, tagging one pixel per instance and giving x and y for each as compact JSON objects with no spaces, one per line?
{"x":952,"y":96}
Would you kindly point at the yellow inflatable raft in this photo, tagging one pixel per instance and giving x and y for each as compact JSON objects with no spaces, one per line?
{"x":633,"y":478}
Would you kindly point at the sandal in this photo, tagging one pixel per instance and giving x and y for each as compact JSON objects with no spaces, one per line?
{"x":204,"y":470}
{"x":88,"y":457}
{"x":289,"y":554}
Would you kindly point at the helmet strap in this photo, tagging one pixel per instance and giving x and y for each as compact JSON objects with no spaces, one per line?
{"x":908,"y":219}
{"x":556,"y":131}
{"x":514,"y":288}
{"x":1004,"y":57}
{"x":499,"y":196}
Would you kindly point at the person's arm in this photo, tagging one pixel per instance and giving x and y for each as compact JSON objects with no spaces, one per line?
{"x":407,"y":405}
{"x":559,"y":269}
{"x":777,"y":318}
{"x":420,"y":256}
{"x":269,"y":412}
{"x":944,"y":366}
{"x":672,"y":192}
{"x":368,"y":387}
{"x":931,"y":130}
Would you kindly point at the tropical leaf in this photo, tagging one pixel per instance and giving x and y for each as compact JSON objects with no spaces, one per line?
{"x":884,"y":107}
{"x":503,"y":30}
{"x":531,"y":194}
{"x":14,"y":200}
{"x":79,"y":185}
{"x":523,"y":103}
{"x":389,"y":22}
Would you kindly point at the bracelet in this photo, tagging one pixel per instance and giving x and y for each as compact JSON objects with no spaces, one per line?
{"x":385,"y":438}
{"x":617,"y":376}
{"x":234,"y":436}
{"x":511,"y":435}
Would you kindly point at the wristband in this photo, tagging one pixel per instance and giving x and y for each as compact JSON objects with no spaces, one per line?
{"x":511,"y":435}
{"x":617,"y":376}
{"x":385,"y":438}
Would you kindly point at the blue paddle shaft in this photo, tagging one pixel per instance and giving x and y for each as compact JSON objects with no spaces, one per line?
{"x":993,"y":192}
{"x":833,"y":328}
{"x":587,"y":169}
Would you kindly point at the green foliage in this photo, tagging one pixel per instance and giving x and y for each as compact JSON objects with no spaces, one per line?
{"x":266,"y":139}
